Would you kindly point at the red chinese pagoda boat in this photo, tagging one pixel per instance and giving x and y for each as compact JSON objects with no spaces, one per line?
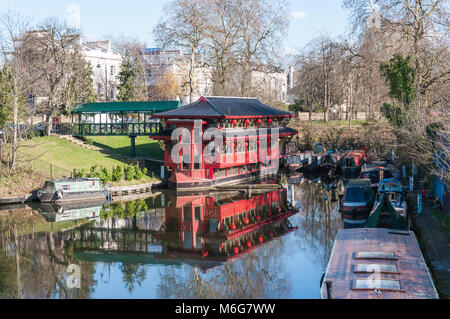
{"x":249,"y":139}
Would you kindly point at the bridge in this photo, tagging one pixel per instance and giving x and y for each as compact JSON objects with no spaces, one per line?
{"x":130,"y":119}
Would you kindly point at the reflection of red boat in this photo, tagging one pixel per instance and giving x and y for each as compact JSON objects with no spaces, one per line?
{"x":351,"y":163}
{"x":228,"y":224}
{"x":204,"y":230}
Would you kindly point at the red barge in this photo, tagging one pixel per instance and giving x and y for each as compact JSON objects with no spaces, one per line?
{"x":250,"y":138}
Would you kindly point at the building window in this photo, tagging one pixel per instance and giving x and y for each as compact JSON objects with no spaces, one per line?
{"x":113,"y":69}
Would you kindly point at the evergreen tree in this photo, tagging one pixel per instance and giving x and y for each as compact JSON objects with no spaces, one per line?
{"x":401,"y":78}
{"x":130,"y":87}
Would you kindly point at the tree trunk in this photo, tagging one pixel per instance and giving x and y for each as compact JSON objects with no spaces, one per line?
{"x":15,"y":139}
{"x":48,"y":125}
{"x":17,"y":253}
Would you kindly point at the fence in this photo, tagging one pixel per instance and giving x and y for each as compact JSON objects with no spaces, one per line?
{"x":304,"y":116}
{"x":45,"y":169}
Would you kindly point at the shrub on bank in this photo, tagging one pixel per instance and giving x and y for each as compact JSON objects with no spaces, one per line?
{"x":116,"y":174}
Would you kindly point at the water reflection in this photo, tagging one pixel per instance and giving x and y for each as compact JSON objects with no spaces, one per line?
{"x":221,"y":245}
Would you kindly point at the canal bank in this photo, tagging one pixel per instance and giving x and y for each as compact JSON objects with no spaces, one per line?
{"x":128,"y":192}
{"x":435,"y":248}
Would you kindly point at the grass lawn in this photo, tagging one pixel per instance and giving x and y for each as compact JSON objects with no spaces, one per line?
{"x":63,"y":154}
{"x":145,"y":147}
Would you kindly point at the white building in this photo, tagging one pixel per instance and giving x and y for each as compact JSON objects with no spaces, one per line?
{"x":270,"y":85}
{"x":105,"y":64}
{"x":159,"y":64}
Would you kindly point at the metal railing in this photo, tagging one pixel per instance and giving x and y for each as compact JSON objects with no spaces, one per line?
{"x":116,"y":129}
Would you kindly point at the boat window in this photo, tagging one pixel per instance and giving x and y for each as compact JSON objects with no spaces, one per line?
{"x":49,"y":186}
{"x":375,"y":255}
{"x":357,"y":194}
{"x":66,"y":187}
{"x":377,"y":284}
{"x":376,"y":268}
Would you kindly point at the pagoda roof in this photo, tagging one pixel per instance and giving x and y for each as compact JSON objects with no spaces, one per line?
{"x":225,"y":107}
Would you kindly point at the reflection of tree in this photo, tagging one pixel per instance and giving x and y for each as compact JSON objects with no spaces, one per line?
{"x":318,"y":220}
{"x":133,"y":274}
{"x":259,"y":274}
{"x":36,"y":262}
{"x":7,"y":276}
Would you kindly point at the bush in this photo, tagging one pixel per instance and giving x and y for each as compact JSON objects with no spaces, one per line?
{"x":117,"y":173}
{"x":103,"y":175}
{"x":138,"y":173}
{"x":129,"y":172}
{"x":30,"y":135}
{"x":65,"y":129}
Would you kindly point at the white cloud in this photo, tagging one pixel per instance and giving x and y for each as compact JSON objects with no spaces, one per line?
{"x":299,"y":15}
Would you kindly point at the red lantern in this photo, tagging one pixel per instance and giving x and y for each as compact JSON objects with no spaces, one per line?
{"x":233,"y":226}
{"x":246,"y":220}
{"x":271,"y":235}
{"x":258,"y":121}
{"x":247,"y":122}
{"x":249,"y":244}
{"x":260,"y":239}
{"x":258,"y":217}
{"x":234,"y":122}
{"x":269,"y":121}
{"x":236,"y":249}
{"x":279,"y":209}
{"x":205,"y":254}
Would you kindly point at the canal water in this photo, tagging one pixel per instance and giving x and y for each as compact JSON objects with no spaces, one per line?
{"x":271,"y":243}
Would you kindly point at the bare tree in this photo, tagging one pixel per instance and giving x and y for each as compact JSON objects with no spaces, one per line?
{"x":14,"y":58}
{"x":183,"y":28}
{"x":56,"y":57}
{"x":421,"y":29}
{"x":263,"y":25}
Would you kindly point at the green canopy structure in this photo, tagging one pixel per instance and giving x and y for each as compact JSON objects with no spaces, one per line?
{"x":119,"y":119}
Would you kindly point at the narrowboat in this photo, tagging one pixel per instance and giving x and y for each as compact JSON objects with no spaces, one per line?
{"x":390,"y":209}
{"x":65,"y":190}
{"x":330,"y":161}
{"x":378,"y":171}
{"x":357,"y":202}
{"x":352,"y":162}
{"x":376,"y":263}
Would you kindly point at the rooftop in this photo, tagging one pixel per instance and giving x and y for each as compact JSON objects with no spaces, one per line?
{"x":126,"y":107}
{"x":377,"y":263}
{"x":225,"y":107}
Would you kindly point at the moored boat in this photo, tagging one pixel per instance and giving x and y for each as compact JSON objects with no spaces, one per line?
{"x":390,"y":208}
{"x":330,"y":161}
{"x":357,"y":202}
{"x":65,"y":190}
{"x":352,"y":162}
{"x":377,"y":263}
{"x":378,"y":171}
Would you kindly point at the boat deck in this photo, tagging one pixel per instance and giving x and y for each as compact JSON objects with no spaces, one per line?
{"x":377,"y":263}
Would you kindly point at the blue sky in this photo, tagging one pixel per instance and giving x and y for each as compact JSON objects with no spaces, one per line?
{"x":136,"y":18}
